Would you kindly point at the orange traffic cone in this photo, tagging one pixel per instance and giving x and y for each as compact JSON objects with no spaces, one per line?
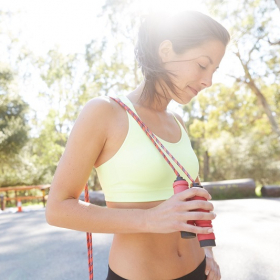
{"x":19,"y":209}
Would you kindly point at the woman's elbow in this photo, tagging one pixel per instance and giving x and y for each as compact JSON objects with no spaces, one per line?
{"x":49,"y":214}
{"x":57,"y":212}
{"x":52,"y":213}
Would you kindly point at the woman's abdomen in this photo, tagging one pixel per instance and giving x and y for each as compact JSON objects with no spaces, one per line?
{"x":154,"y":256}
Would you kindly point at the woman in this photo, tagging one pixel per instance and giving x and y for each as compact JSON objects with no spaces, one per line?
{"x":178,"y":56}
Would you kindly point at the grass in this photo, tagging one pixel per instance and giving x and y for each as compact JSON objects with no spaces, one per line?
{"x":32,"y":203}
{"x":24,"y":204}
{"x":258,"y":191}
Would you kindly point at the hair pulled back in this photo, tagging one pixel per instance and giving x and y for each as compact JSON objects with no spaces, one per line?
{"x":185,"y":30}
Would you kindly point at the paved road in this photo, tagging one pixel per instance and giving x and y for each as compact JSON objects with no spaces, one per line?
{"x":247,"y":235}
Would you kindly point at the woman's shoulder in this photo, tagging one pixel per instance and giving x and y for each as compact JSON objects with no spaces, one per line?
{"x":101,"y":103}
{"x":96,"y":121}
{"x":102,"y":106}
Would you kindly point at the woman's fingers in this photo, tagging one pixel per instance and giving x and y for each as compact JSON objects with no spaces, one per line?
{"x":193,"y":216}
{"x":189,"y":193}
{"x":195,"y":229}
{"x":195,"y":204}
{"x":173,"y":214}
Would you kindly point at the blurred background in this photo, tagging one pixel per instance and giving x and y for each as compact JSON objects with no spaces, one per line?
{"x":57,"y":55}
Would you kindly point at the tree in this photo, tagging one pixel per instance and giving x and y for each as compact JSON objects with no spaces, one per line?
{"x":124,"y":18}
{"x":251,"y":37}
{"x":14,"y":127}
{"x":13,"y":124}
{"x":14,"y":111}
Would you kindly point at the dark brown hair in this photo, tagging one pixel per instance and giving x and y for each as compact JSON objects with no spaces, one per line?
{"x":186,"y":30}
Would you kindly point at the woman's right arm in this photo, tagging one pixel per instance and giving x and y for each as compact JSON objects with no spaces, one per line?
{"x":84,"y":145}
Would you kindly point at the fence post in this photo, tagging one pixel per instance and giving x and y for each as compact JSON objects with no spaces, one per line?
{"x":2,"y":202}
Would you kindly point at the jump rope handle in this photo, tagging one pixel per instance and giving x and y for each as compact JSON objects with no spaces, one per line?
{"x":180,"y":185}
{"x":205,"y":240}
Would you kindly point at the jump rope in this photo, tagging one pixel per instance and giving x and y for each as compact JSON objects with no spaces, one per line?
{"x":179,"y":185}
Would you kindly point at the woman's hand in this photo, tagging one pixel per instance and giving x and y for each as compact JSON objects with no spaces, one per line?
{"x":212,"y":269}
{"x":172,"y":215}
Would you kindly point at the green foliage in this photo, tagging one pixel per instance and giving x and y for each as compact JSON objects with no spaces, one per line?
{"x":13,"y":125}
{"x":251,"y":44}
{"x":14,"y":130}
{"x":13,"y":117}
{"x":236,"y":135}
{"x":246,"y":156}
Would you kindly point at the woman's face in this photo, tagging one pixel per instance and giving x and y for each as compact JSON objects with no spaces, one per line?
{"x":193,"y":69}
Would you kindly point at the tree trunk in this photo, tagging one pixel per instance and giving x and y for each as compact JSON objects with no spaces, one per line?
{"x":206,"y":166}
{"x":96,"y":183}
{"x":266,"y":107}
{"x":278,"y":3}
{"x":260,"y":97}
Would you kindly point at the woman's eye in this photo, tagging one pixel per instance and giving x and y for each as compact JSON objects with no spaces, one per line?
{"x":202,"y":67}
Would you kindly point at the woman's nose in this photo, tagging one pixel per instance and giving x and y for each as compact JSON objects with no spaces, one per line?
{"x":206,"y":81}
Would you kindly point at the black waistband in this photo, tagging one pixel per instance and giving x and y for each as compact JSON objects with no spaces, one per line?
{"x":197,"y":274}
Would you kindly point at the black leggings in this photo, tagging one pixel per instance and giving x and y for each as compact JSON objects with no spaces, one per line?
{"x":197,"y":274}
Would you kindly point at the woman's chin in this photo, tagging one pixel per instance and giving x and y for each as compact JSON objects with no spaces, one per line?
{"x":185,"y":100}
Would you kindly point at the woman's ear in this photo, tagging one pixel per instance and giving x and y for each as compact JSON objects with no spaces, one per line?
{"x":165,"y":50}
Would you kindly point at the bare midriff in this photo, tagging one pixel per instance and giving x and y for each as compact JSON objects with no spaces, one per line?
{"x":152,"y":256}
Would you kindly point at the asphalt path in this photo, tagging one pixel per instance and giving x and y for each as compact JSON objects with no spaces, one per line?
{"x":247,"y":236}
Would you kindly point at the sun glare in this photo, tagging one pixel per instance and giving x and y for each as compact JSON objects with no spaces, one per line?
{"x":170,"y":6}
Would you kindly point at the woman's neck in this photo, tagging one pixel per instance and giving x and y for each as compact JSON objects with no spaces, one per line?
{"x":154,"y":105}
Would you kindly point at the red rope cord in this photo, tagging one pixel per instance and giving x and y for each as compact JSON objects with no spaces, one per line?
{"x":89,"y":242}
{"x":155,"y":141}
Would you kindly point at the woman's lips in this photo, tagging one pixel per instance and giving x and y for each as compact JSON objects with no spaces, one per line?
{"x":193,"y":90}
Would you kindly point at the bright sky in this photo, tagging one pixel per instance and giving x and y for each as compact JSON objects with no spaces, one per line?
{"x":71,"y":24}
{"x":45,"y":23}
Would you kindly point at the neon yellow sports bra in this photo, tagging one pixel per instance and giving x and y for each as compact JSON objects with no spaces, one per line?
{"x":138,"y":172}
